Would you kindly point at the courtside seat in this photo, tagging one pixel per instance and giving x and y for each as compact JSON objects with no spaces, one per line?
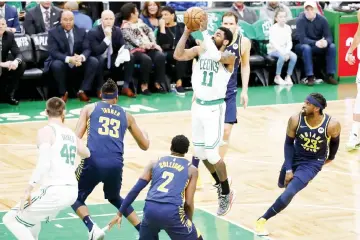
{"x":41,"y":48}
{"x":26,"y":48}
{"x":257,"y":63}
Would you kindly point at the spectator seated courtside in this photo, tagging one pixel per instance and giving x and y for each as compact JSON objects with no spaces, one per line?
{"x":69,"y":55}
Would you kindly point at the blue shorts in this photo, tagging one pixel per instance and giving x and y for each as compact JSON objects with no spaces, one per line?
{"x":230,"y":112}
{"x":94,"y":170}
{"x":305,"y":172}
{"x":167,"y":217}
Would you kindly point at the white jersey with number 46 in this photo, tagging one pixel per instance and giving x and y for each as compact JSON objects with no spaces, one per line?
{"x":62,"y":157}
{"x":209,"y":79}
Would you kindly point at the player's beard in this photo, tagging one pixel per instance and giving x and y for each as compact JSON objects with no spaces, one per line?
{"x":303,"y":112}
{"x":63,"y":118}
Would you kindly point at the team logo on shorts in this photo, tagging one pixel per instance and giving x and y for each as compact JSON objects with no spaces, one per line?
{"x":235,"y":46}
{"x":321,"y":130}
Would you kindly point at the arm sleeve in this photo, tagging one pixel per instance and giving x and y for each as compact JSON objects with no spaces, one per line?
{"x":333,"y":148}
{"x":289,"y":152}
{"x":130,"y":198}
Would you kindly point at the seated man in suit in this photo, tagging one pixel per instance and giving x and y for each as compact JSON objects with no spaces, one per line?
{"x":41,"y":18}
{"x":105,"y":42}
{"x":11,"y":16}
{"x":10,"y":71}
{"x":69,"y":53}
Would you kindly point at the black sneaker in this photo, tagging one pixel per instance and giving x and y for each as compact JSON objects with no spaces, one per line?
{"x":180,"y":91}
{"x":161,"y":90}
{"x":146,"y":92}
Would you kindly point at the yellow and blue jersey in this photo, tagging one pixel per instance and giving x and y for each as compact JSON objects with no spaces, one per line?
{"x":106,"y":130}
{"x":169,"y":179}
{"x":311,"y":143}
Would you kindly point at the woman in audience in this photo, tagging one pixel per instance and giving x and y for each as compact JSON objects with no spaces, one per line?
{"x":151,"y":14}
{"x":141,"y":42}
{"x":170,"y":32}
{"x":280,"y":45}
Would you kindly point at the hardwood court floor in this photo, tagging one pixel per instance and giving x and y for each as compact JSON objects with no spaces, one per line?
{"x":329,"y":208}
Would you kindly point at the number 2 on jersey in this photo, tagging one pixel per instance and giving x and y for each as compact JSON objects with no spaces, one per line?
{"x":105,"y":130}
{"x":207,"y":81}
{"x":169,"y":176}
{"x":68,"y":152}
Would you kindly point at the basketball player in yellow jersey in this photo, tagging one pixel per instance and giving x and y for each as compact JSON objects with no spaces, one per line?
{"x":210,"y":77}
{"x":354,"y":139}
{"x":58,"y":146}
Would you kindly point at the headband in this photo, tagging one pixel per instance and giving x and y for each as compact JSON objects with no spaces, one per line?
{"x":314,"y":102}
{"x":109,"y":96}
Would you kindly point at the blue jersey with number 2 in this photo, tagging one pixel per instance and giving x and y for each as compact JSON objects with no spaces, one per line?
{"x":169,"y":179}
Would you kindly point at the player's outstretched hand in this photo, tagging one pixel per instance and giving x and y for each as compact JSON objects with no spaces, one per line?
{"x":288,"y":177}
{"x":116,"y":220}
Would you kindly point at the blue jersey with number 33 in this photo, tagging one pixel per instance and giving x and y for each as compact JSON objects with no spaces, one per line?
{"x":169,"y":179}
{"x":106,"y":129}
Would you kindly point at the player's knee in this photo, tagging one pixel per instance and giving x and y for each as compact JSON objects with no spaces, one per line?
{"x":77,"y":204}
{"x":116,"y":201}
{"x":212,"y":155}
{"x":199,"y":152}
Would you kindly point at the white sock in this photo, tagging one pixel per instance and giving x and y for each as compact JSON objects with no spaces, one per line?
{"x":355,"y":128}
{"x":19,"y":230}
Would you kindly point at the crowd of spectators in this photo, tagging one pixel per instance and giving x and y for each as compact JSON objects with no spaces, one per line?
{"x":82,"y":56}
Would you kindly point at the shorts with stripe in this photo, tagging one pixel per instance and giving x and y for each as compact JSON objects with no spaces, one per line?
{"x":207,"y":124}
{"x":46,"y":203}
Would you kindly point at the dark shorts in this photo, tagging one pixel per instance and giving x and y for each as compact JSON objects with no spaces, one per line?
{"x":230,"y":113}
{"x":305,"y":172}
{"x":94,"y":170}
{"x":167,"y":217}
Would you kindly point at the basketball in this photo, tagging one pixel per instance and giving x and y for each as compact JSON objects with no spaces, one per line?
{"x":193,"y":17}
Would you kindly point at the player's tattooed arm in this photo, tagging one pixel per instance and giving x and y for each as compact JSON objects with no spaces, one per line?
{"x":292,"y":126}
{"x":190,"y":192}
{"x":140,"y":137}
{"x":182,"y":54}
{"x":228,"y":58}
{"x":333,"y":131}
{"x":82,"y":122}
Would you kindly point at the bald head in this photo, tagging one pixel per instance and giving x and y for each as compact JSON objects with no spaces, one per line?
{"x":67,"y":20}
{"x":107,"y":18}
{"x":71,"y":6}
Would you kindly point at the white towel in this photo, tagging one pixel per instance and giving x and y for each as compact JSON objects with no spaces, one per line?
{"x":123,"y":56}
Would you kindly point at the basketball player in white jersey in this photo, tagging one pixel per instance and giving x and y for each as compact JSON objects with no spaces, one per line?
{"x":354,"y":140}
{"x":210,"y":77}
{"x":55,"y":170}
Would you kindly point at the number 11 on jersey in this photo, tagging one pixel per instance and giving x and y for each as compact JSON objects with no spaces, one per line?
{"x":207,"y":79}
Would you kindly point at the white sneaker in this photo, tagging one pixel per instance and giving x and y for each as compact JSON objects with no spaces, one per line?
{"x":288,"y":80}
{"x":279,"y":81}
{"x":353,"y":143}
{"x":96,"y":233}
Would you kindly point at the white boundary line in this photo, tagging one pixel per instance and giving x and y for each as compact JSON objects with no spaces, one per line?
{"x":180,"y":112}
